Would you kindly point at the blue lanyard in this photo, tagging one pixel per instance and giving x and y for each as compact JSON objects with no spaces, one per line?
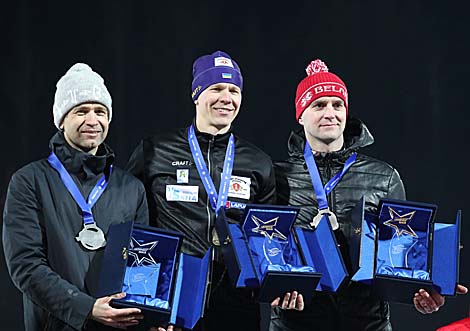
{"x":321,"y":192}
{"x":217,"y":201}
{"x":75,"y":192}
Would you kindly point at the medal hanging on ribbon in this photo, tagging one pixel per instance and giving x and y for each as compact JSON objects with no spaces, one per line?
{"x":320,"y":191}
{"x":91,"y":236}
{"x":219,"y":199}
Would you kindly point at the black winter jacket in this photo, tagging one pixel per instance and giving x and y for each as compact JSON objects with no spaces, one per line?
{"x":157,"y":160}
{"x":367,"y":177}
{"x":40,"y":222}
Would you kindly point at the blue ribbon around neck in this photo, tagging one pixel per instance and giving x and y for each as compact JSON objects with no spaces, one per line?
{"x":320,"y":191}
{"x":75,"y":192}
{"x":217,"y":200}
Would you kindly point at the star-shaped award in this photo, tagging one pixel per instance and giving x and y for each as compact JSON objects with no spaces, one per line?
{"x":400,"y":222}
{"x":141,"y":252}
{"x":268,"y":228}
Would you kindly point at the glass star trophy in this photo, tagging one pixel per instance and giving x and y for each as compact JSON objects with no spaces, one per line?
{"x":142,"y":272}
{"x":404,"y":240}
{"x":271,"y":242}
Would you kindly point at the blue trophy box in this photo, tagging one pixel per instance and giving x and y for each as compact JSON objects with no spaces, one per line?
{"x":267,"y":253}
{"x":146,"y":262}
{"x":401,"y":249}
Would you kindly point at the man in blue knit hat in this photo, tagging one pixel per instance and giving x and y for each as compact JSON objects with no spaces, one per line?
{"x":182,"y":173}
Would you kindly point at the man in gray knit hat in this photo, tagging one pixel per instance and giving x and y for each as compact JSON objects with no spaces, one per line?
{"x":51,"y":235}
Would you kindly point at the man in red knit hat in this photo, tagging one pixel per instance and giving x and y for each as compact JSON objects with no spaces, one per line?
{"x":325,"y":150}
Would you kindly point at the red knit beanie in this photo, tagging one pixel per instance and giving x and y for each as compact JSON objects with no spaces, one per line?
{"x":318,"y":83}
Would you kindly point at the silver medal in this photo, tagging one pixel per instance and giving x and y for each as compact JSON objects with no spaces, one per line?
{"x":331,"y":217}
{"x":91,"y":237}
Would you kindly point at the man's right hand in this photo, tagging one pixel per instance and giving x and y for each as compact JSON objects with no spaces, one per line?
{"x":119,"y":318}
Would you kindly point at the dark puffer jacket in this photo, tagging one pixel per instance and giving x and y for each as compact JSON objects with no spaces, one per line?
{"x":368,"y":178}
{"x":40,"y":222}
{"x":354,"y":307}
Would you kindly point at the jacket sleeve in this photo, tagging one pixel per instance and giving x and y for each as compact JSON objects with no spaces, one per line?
{"x":142,"y":213}
{"x":282,"y":185}
{"x":26,"y":257}
{"x":267,"y":191}
{"x":396,"y":189}
{"x":135,"y":165}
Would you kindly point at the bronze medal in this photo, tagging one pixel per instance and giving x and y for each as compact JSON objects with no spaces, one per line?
{"x":215,"y":238}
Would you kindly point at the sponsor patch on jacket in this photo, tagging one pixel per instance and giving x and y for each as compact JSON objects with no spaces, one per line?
{"x":182,"y":193}
{"x":239,"y":187}
{"x":235,"y":204}
{"x":182,"y":176}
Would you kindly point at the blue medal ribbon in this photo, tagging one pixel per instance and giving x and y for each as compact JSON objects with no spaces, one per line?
{"x":217,"y":200}
{"x":75,"y":192}
{"x":320,"y":191}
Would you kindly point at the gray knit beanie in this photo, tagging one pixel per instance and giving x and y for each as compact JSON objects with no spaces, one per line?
{"x":79,"y":85}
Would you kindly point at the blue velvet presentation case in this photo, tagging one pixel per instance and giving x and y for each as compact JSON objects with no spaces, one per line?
{"x":168,"y":286}
{"x":401,"y":249}
{"x":270,"y":255}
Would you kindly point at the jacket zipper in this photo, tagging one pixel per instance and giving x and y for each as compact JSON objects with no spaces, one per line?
{"x":328,"y":177}
{"x":208,"y":208}
{"x":208,"y":205}
{"x":48,"y":320}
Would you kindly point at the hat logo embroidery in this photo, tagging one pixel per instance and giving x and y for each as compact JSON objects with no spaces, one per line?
{"x":306,"y":98}
{"x":222,"y":61}
{"x":197,"y":89}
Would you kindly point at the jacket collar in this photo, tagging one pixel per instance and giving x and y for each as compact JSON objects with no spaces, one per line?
{"x":81,"y":163}
{"x":356,"y":135}
{"x":204,"y":137}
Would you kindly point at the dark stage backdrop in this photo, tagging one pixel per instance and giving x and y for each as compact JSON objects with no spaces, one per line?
{"x":405,"y":64}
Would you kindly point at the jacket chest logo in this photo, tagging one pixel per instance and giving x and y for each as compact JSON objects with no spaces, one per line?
{"x":181,"y":163}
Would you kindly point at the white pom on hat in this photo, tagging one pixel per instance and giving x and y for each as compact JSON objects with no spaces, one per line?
{"x":80,"y":84}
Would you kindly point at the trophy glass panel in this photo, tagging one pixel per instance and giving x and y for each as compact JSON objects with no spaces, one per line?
{"x":403,"y":246}
{"x":150,"y":268}
{"x":270,"y":241}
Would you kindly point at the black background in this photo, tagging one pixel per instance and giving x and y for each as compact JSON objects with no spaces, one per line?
{"x":405,"y":64}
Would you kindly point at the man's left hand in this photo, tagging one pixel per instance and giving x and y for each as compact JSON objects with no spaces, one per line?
{"x":290,"y":301}
{"x":427,"y":303}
